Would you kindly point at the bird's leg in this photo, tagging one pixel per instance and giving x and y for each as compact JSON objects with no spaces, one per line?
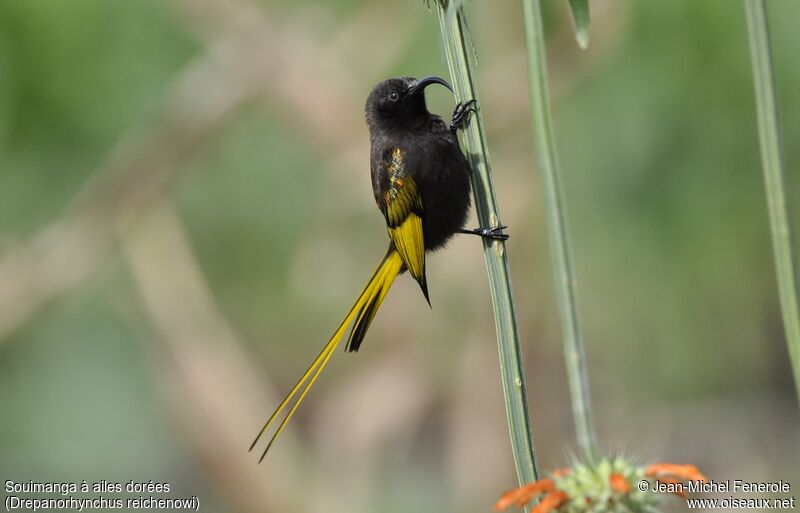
{"x":461,"y":114}
{"x":495,"y":233}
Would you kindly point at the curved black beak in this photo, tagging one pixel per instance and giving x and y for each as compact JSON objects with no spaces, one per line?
{"x":422,"y":83}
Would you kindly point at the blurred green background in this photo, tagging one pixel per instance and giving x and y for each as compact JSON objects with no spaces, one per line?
{"x":186,"y":214}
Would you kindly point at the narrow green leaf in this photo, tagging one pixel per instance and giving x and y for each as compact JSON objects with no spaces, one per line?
{"x":558,"y":230}
{"x":580,"y":16}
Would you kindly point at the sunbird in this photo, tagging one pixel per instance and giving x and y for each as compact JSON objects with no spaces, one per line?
{"x":421,"y":183}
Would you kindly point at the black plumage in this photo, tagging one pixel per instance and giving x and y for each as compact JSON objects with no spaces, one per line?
{"x":421,"y":182}
{"x":398,"y":118}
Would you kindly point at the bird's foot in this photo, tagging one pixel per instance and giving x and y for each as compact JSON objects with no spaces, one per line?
{"x":495,"y":233}
{"x":461,"y":114}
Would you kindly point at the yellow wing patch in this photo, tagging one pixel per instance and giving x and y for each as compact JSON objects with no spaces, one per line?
{"x":403,"y":210}
{"x":410,"y":244}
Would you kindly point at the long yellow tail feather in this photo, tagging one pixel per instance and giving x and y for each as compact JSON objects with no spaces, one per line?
{"x":365,"y":307}
{"x":371,"y":304}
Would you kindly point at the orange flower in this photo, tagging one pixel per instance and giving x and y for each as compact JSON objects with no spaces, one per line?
{"x":674,"y":474}
{"x":576,"y":488}
{"x":619,"y":483}
{"x":551,"y":501}
{"x":688,"y":472}
{"x":524,"y":494}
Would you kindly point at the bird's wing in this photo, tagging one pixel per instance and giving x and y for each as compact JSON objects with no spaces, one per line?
{"x":402,"y":207}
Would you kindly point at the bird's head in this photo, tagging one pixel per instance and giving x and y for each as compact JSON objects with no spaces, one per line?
{"x":399,"y":100}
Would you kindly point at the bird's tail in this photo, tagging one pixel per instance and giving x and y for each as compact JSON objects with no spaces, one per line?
{"x":363,"y":311}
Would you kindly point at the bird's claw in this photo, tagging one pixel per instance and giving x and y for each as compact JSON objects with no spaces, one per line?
{"x":461,"y":114}
{"x":494,"y":233}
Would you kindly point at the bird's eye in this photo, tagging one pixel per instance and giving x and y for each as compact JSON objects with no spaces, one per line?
{"x":394,"y":96}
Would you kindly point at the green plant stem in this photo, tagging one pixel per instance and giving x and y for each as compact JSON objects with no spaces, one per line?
{"x":558,"y":230}
{"x":451,"y":22}
{"x":769,"y":132}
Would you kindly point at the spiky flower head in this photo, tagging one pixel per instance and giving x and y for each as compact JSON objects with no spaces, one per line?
{"x":614,"y":485}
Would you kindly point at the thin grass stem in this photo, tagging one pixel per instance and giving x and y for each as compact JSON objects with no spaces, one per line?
{"x":769,"y":132}
{"x":558,"y":229}
{"x":458,"y":52}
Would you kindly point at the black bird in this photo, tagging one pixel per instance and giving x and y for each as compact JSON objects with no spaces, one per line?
{"x":420,"y":179}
